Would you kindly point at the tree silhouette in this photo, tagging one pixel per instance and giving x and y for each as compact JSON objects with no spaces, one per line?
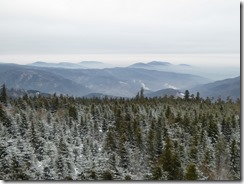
{"x":187,"y":95}
{"x":3,"y":95}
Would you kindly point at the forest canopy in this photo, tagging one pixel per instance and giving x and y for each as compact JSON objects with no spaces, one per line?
{"x":68,"y":138}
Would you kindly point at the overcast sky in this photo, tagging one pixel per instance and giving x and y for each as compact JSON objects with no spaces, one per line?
{"x":76,"y":27}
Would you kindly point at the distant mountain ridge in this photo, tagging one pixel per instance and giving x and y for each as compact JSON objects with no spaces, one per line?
{"x":159,"y":63}
{"x":124,"y":82}
{"x":213,"y":73}
{"x":149,"y":64}
{"x":101,"y":65}
{"x":115,"y":82}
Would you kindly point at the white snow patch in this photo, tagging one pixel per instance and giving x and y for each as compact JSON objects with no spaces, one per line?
{"x":121,"y":82}
{"x":169,"y":86}
{"x":182,"y":94}
{"x":76,"y":171}
{"x":144,"y":86}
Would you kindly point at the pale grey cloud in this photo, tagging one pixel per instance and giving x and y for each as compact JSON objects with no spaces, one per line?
{"x":119,"y":26}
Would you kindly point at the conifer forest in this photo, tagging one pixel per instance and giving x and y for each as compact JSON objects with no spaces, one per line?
{"x":60,"y":137}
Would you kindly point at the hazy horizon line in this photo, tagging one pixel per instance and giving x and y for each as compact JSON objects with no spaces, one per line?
{"x":224,"y":59}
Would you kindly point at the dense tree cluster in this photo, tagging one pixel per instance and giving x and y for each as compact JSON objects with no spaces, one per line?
{"x":67,"y":138}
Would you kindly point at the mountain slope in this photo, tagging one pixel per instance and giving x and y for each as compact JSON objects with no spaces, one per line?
{"x":22,"y":77}
{"x":223,"y":88}
{"x":127,"y":81}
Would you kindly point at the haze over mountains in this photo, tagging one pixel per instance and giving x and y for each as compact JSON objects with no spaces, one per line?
{"x":83,"y":65}
{"x":157,"y":65}
{"x":93,"y":78}
{"x":213,"y":72}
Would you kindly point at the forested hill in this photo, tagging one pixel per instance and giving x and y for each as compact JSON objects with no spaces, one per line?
{"x":224,"y":89}
{"x":64,"y":138}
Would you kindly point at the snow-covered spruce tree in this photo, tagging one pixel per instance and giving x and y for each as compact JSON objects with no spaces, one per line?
{"x":235,"y":160}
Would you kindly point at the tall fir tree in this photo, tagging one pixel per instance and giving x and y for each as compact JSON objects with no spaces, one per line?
{"x":3,"y":95}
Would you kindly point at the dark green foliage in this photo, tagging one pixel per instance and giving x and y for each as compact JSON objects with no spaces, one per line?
{"x":110,"y":143}
{"x":23,"y":127}
{"x":156,"y":173}
{"x":187,"y":95}
{"x":107,"y":176}
{"x":67,"y":178}
{"x":127,"y":177}
{"x":159,"y":143}
{"x":151,"y":138}
{"x":73,"y":112}
{"x":124,"y":160}
{"x":213,"y":130}
{"x":3,"y":95}
{"x":171,"y":162}
{"x":198,"y":96}
{"x":63,"y":149}
{"x":168,"y":112}
{"x":142,"y":93}
{"x":17,"y":170}
{"x":93,"y":175}
{"x":5,"y":169}
{"x":4,"y":119}
{"x":235,"y":160}
{"x":193,"y":154}
{"x":37,"y":142}
{"x":226,"y":129}
{"x":191,"y":172}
